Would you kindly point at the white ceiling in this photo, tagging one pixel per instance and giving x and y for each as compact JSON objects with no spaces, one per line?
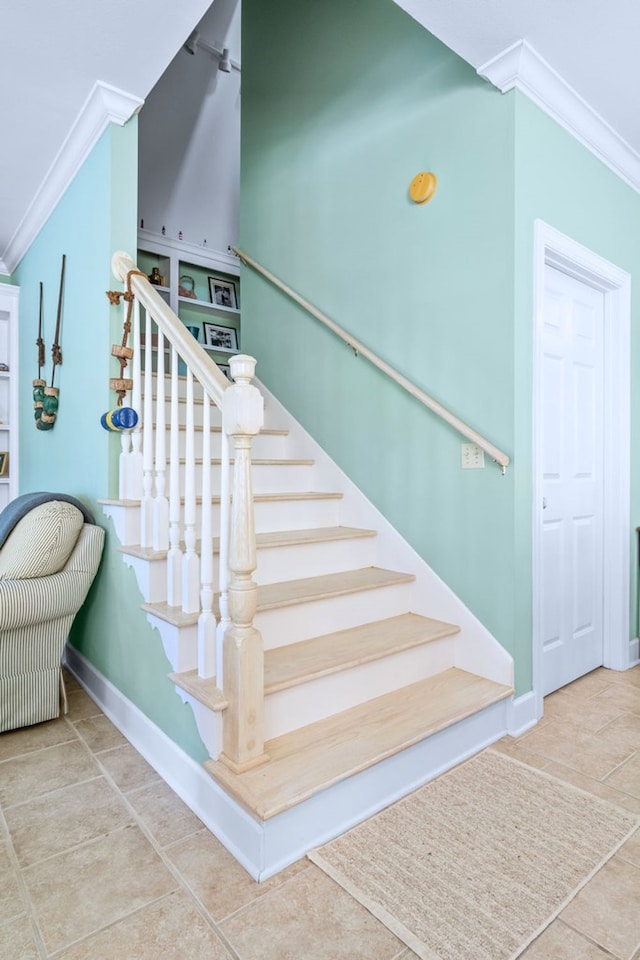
{"x":53,"y":51}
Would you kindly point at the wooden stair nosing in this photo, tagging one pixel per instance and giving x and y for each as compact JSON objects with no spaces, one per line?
{"x":265,"y":540}
{"x":203,"y":690}
{"x":287,"y":593}
{"x":332,"y":653}
{"x":306,"y":761}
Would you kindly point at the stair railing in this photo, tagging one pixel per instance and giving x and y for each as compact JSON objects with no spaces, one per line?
{"x":359,"y":348}
{"x":231,"y":651}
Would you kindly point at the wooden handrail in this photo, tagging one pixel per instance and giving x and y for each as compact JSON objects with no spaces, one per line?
{"x":196,"y":357}
{"x":497,"y":455}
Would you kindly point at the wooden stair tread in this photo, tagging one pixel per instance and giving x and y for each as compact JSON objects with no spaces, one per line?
{"x":290,"y":592}
{"x":276,"y":538}
{"x":205,"y":691}
{"x":308,"y":760}
{"x":287,"y":592}
{"x":299,"y":662}
{"x":258,"y":462}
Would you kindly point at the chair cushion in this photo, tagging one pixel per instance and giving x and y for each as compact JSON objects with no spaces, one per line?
{"x":41,"y":543}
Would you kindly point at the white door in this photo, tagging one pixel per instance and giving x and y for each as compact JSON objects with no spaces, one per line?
{"x":572,"y":574}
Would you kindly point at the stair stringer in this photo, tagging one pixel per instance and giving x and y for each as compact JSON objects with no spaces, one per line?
{"x":475,"y":648}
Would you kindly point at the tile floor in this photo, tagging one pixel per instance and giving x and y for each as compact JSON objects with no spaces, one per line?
{"x":99,"y":860}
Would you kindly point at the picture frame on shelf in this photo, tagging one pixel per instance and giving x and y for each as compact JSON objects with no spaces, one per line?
{"x":226,"y":369}
{"x":220,"y":337}
{"x":223,"y":292}
{"x":4,"y":464}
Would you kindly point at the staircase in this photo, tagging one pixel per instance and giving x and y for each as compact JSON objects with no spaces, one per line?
{"x":375,"y":676}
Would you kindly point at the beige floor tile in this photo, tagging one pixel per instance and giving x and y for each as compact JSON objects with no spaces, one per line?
{"x":42,"y":771}
{"x":17,"y":941}
{"x":591,"y":714}
{"x":559,"y":942}
{"x":99,"y":733}
{"x":630,"y":851}
{"x":58,"y":821}
{"x":591,"y":684}
{"x":171,"y":929}
{"x":309,"y":917}
{"x":85,"y":889}
{"x":219,"y":882}
{"x":11,"y":902}
{"x":13,"y":743}
{"x":518,"y":751}
{"x":566,"y":742}
{"x":598,"y":788}
{"x":164,"y":813}
{"x":627,"y":777}
{"x":607,"y":909}
{"x":128,"y":769}
{"x":625,"y":732}
{"x":81,"y":706}
{"x":628,"y":677}
{"x":625,"y":696}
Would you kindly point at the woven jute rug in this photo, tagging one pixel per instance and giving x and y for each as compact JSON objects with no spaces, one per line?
{"x":474,"y":865}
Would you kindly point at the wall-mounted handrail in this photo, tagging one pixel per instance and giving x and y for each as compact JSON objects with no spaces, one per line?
{"x":463,"y":428}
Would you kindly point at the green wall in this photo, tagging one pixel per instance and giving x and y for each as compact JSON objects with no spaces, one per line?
{"x":96,"y":216}
{"x":358,"y":100}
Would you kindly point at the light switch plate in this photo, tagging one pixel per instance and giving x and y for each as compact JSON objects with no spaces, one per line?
{"x":472,"y":457}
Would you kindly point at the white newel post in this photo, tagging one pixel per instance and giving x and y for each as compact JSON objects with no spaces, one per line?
{"x":243,"y":735}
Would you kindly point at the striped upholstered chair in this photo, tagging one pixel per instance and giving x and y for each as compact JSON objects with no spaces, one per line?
{"x":50,"y":550}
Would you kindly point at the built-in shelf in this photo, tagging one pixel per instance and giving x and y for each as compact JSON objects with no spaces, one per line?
{"x":178,"y":262}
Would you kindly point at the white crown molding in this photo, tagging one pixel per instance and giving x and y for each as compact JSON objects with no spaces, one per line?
{"x":520,"y":66}
{"x":104,"y":105}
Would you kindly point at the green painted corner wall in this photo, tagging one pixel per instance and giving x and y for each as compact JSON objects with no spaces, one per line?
{"x":96,"y":216}
{"x":359,"y":100}
{"x":562,"y":183}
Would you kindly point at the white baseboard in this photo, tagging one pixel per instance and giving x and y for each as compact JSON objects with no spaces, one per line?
{"x":264,"y":849}
{"x":522,"y":714}
{"x":236,"y":829}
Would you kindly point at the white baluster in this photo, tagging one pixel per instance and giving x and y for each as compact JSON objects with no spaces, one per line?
{"x":135,"y":471}
{"x":207,"y":620}
{"x":223,"y":563}
{"x":160,"y":502}
{"x":125,"y":444}
{"x":174,"y":557}
{"x":190,"y":565}
{"x":243,"y":733}
{"x":146,"y":504}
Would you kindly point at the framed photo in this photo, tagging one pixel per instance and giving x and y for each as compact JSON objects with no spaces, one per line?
{"x":226,"y":370}
{"x":219,"y":337}
{"x":223,"y":292}
{"x":4,"y":464}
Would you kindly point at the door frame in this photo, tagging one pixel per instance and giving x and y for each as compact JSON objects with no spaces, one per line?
{"x":555,"y":249}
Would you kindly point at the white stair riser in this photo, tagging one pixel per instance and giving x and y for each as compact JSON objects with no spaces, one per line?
{"x":151,"y":576}
{"x":303,"y":621}
{"x":274,"y":564}
{"x":314,"y":559}
{"x":180,"y":643}
{"x":265,"y":446}
{"x":270,"y":515}
{"x":298,"y":706}
{"x":198,"y":407}
{"x":267,"y":478}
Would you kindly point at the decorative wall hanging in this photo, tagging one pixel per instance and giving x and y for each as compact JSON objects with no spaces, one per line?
{"x":46,"y":399}
{"x":123,"y":418}
{"x":39,"y":384}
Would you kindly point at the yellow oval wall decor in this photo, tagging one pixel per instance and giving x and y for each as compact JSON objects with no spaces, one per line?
{"x":423,"y":187}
